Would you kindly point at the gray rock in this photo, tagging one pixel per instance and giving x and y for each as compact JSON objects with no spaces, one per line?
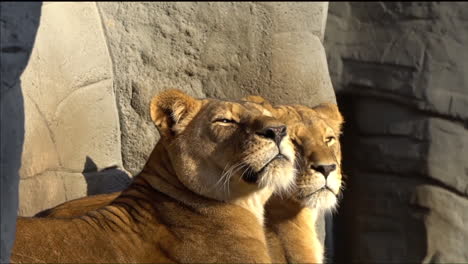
{"x":69,"y":105}
{"x":400,"y":71}
{"x":417,"y":56}
{"x":396,"y":212}
{"x":445,"y":223}
{"x":223,"y":50}
{"x":400,"y":140}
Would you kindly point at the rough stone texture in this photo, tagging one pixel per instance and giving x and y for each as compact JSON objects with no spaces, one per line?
{"x":224,"y":50}
{"x":71,"y":119}
{"x":417,"y":55}
{"x":445,"y":245}
{"x":409,"y":142}
{"x":77,"y":118}
{"x":399,"y":70}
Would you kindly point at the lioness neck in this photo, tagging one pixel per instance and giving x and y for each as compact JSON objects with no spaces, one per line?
{"x":255,"y":203}
{"x":160,"y":174}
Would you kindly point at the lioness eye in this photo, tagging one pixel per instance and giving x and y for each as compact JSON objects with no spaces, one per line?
{"x":225,"y":120}
{"x":329,"y":140}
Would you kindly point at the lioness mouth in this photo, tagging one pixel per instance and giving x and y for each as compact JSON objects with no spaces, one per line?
{"x":251,"y":176}
{"x":324,"y":188}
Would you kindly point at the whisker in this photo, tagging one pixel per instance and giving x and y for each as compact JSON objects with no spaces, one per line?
{"x":243,"y":172}
{"x":226,"y":177}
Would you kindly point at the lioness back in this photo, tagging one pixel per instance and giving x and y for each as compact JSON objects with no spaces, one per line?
{"x":80,"y":206}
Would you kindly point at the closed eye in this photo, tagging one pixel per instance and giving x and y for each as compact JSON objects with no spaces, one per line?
{"x":225,"y":121}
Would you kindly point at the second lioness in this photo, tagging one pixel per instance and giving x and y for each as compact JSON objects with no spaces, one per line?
{"x":291,"y":219}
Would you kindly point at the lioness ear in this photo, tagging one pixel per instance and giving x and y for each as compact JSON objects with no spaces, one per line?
{"x":172,"y":110}
{"x":331,"y":115}
{"x":259,"y":100}
{"x":256,"y":99}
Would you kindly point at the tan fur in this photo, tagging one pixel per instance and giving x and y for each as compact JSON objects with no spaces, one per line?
{"x":189,"y":204}
{"x":290,"y":225}
{"x":290,"y":221}
{"x":80,"y":206}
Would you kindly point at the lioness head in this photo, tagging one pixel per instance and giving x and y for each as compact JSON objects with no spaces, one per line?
{"x":223,"y":149}
{"x":317,"y":140}
{"x":315,"y":134}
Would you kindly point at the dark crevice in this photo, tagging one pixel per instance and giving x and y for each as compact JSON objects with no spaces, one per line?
{"x":380,"y":64}
{"x":13,"y":49}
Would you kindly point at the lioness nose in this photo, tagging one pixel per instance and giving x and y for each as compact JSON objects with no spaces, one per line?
{"x":276,"y":133}
{"x":325,"y":169}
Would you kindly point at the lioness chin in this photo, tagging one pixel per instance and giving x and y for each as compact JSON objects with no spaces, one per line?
{"x":290,"y":218}
{"x":198,"y":199}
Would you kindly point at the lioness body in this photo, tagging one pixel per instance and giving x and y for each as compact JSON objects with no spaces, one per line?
{"x":153,"y":229}
{"x":291,"y":232}
{"x":289,"y":227}
{"x":290,"y":223}
{"x":174,"y":211}
{"x":80,"y":206}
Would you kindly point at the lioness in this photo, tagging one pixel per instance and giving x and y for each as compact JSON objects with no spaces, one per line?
{"x":290,"y":219}
{"x":199,"y":198}
{"x":290,"y":225}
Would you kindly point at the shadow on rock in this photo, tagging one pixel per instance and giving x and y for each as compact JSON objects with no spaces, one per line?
{"x":108,"y":180}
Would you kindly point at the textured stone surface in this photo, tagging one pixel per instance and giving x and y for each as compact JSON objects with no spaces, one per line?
{"x":70,"y":110}
{"x":224,"y":50}
{"x":445,"y":245}
{"x":417,"y":56}
{"x":388,"y":229}
{"x":410,"y":142}
{"x":398,"y":215}
{"x":400,"y":71}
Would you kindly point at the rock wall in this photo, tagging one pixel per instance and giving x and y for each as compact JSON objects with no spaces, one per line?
{"x":75,"y":97}
{"x":400,"y":72}
{"x":214,"y":49}
{"x":71,"y":119}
